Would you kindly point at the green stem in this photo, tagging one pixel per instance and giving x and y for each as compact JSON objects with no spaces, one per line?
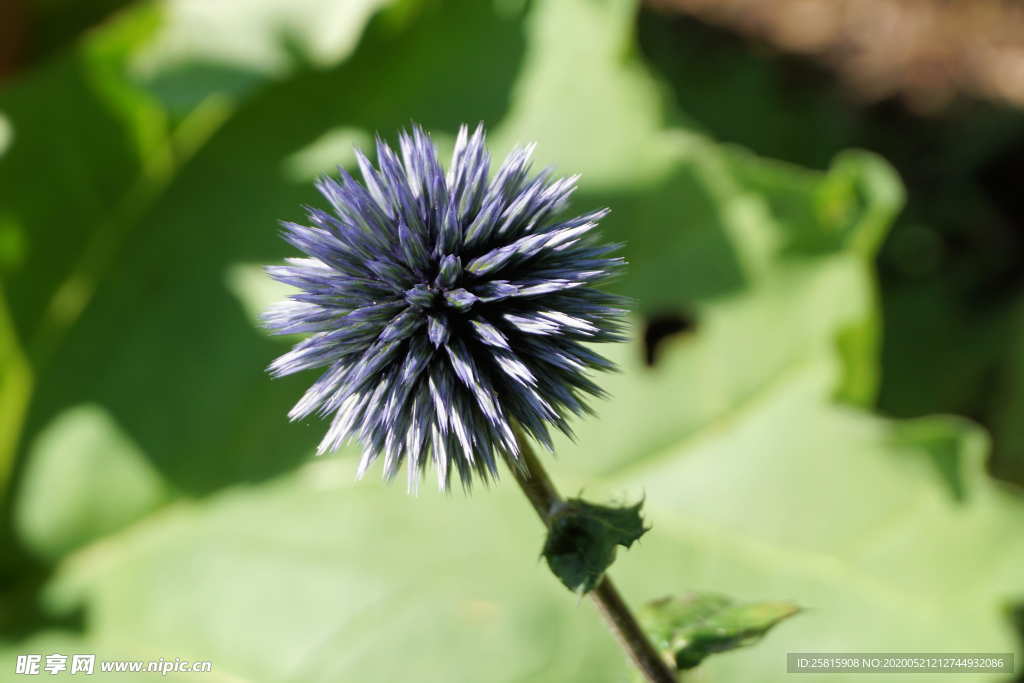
{"x":535,"y":483}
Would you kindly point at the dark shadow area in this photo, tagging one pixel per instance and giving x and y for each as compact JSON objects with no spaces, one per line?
{"x":55,"y":23}
{"x":22,"y":580}
{"x":660,"y":327}
{"x":1000,"y":180}
{"x":1016,"y":615}
{"x":33,"y":32}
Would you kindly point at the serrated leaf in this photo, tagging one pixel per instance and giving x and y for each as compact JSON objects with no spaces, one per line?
{"x":582,"y":539}
{"x":696,"y":625}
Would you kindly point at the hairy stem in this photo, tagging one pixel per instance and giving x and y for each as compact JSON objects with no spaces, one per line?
{"x":537,"y":486}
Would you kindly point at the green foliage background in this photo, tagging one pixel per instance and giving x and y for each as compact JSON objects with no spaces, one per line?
{"x":158,"y":504}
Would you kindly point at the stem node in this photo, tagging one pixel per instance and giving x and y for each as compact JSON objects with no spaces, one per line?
{"x":542,"y":494}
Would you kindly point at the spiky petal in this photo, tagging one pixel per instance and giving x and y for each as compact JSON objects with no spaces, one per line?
{"x":445,"y":307}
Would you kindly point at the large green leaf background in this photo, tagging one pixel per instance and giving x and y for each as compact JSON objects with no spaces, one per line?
{"x":183,"y":516}
{"x":950,"y":269}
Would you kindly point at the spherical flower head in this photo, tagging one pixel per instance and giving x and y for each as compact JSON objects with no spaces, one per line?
{"x":445,"y":308}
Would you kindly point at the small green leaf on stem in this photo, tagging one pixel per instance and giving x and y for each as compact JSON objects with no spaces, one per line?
{"x":582,"y":540}
{"x":696,"y":625}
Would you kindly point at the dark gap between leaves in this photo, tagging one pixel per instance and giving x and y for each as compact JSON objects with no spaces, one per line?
{"x":661,"y":326}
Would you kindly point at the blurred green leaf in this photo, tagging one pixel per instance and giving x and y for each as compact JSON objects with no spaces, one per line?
{"x":756,"y":481}
{"x":59,"y":124}
{"x":229,"y":49}
{"x":693,"y":626}
{"x":184,"y":378}
{"x":15,"y":392}
{"x":84,"y":479}
{"x":232,"y":430}
{"x":791,"y":496}
{"x":71,"y":117}
{"x":951,"y":269}
{"x":582,"y":539}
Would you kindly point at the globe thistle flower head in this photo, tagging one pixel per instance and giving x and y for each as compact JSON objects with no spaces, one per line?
{"x":445,"y":307}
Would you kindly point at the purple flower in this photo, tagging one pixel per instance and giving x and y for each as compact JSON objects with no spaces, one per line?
{"x":445,"y":308}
